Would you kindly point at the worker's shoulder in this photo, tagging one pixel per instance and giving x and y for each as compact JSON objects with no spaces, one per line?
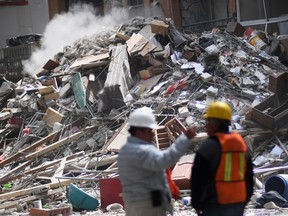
{"x":209,"y":144}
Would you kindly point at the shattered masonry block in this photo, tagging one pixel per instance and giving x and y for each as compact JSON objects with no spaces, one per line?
{"x":212,"y":49}
{"x":63,"y":92}
{"x":25,"y":100}
{"x":5,"y":115}
{"x":82,"y":145}
{"x":244,"y":108}
{"x":212,"y":91}
{"x":248,"y":93}
{"x":57,"y":126}
{"x":19,"y":90}
{"x":91,"y":143}
{"x":189,"y":120}
{"x":206,"y":77}
{"x":183,"y":112}
{"x":210,"y":99}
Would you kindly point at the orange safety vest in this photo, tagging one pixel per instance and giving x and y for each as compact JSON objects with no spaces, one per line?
{"x":230,"y":176}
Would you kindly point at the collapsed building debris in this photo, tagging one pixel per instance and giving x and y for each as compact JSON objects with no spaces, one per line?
{"x":67,"y":123}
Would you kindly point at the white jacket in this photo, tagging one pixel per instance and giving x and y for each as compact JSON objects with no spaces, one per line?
{"x":142,"y":168}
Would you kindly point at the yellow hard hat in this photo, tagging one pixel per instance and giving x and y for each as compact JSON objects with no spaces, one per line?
{"x":219,"y":110}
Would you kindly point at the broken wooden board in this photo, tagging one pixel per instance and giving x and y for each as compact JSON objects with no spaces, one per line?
{"x":50,"y":65}
{"x":14,"y":203}
{"x":136,"y":43}
{"x":59,"y":171}
{"x":38,"y":168}
{"x":118,"y":139}
{"x":27,"y":191}
{"x":53,"y":136}
{"x":89,"y":59}
{"x":149,"y":47}
{"x":149,"y":83}
{"x":52,"y":116}
{"x":16,"y":169}
{"x":59,"y":143}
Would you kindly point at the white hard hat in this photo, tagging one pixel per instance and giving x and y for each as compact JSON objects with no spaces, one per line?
{"x":143,"y":117}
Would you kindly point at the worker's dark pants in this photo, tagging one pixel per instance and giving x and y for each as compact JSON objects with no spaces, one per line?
{"x":223,"y":210}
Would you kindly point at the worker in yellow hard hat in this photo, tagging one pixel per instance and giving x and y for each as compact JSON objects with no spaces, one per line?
{"x":222,"y":173}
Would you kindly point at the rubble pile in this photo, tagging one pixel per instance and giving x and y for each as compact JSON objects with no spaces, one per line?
{"x":67,"y":123}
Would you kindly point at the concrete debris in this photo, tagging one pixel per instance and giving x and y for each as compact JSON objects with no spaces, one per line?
{"x":68,"y":121}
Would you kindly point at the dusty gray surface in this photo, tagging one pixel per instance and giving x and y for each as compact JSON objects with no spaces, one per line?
{"x":180,"y":210}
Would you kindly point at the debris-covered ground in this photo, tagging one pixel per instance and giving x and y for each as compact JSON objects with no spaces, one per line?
{"x":66,"y":123}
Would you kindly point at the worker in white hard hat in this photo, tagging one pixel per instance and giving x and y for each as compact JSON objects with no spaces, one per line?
{"x":142,"y":166}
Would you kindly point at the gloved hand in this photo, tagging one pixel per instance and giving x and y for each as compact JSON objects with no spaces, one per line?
{"x":190,"y":132}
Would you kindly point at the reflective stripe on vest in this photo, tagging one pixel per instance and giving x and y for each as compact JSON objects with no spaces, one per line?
{"x":230,"y":176}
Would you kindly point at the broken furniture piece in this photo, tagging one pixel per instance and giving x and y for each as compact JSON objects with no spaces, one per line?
{"x":273,"y":111}
{"x":167,"y":134}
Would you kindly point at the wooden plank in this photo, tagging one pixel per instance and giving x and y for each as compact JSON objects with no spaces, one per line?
{"x":162,"y":135}
{"x":136,"y":43}
{"x":16,"y":169}
{"x":164,"y":140}
{"x":89,"y":59}
{"x":27,"y":191}
{"x":35,"y":170}
{"x":92,"y":163}
{"x":118,"y":139}
{"x":60,"y":143}
{"x":59,"y":171}
{"x":12,"y":204}
{"x":30,"y":148}
{"x":38,"y":169}
{"x":149,"y":47}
